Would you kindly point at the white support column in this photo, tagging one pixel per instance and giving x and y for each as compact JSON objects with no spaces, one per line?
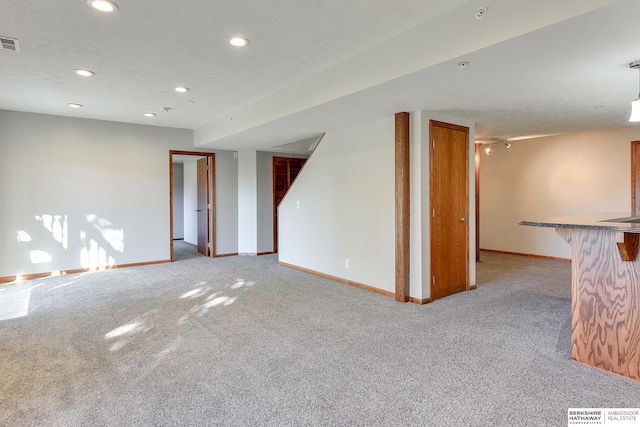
{"x":247,"y":203}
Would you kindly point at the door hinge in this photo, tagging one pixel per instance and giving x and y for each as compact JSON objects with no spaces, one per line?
{"x":208,"y":205}
{"x":433,"y":144}
{"x":433,"y":213}
{"x":433,"y":280}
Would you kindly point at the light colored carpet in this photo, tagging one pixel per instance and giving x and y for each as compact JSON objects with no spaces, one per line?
{"x":183,"y":251}
{"x":242,"y":341}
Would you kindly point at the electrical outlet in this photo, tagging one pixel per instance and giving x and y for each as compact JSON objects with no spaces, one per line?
{"x":346,"y":263}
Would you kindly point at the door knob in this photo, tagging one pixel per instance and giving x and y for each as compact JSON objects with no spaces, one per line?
{"x":198,"y":210}
{"x":463,"y":219}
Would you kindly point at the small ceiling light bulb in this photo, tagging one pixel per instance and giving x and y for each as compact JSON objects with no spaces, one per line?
{"x":74,"y":105}
{"x":182,"y":89}
{"x":238,"y":41}
{"x":149,"y":114}
{"x":507,"y":144}
{"x":84,"y":73}
{"x":487,"y":150}
{"x":103,"y":5}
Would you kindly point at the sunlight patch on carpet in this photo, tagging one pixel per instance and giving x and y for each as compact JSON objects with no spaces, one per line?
{"x":14,"y":300}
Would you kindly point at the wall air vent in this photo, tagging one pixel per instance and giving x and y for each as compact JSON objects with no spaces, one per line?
{"x":10,"y":44}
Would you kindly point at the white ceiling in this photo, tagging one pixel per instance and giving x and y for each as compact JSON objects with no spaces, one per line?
{"x":548,"y":81}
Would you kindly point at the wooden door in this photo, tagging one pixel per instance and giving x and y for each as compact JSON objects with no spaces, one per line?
{"x":202,"y":206}
{"x":285,"y":171}
{"x":449,"y":188}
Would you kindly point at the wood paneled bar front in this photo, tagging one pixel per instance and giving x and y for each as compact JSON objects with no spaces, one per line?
{"x":605,"y":289}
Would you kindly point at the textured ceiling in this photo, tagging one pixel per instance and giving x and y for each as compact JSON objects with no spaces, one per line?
{"x":144,"y":50}
{"x":547,"y":81}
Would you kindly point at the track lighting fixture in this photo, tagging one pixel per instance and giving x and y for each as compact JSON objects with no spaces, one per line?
{"x":495,"y":143}
{"x":635,"y":105}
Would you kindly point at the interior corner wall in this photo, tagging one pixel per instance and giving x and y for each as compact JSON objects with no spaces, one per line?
{"x":265,"y":197}
{"x":79,"y":193}
{"x":265,"y":201}
{"x":226,"y":183}
{"x":178,"y":201}
{"x":247,"y":203}
{"x":345,"y":195}
{"x":578,"y":173}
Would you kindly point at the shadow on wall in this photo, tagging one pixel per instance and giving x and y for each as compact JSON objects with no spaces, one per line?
{"x":95,"y":242}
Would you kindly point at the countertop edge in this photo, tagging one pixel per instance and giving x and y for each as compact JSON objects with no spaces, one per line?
{"x":589,"y":222}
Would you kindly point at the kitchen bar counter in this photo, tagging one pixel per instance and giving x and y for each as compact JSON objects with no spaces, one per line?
{"x":605,"y":289}
{"x":615,"y":221}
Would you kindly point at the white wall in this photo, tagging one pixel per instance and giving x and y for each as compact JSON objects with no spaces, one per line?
{"x":347,"y":206}
{"x":247,"y":203}
{"x":347,"y":211}
{"x":226,"y":203}
{"x":178,"y":201}
{"x":569,"y":174}
{"x":82,"y":193}
{"x":191,"y":200}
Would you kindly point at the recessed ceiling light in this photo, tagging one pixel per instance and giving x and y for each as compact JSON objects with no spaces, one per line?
{"x":103,"y":5}
{"x":84,"y":73}
{"x":74,"y":105}
{"x":182,"y":89}
{"x":149,"y":114}
{"x":239,"y":41}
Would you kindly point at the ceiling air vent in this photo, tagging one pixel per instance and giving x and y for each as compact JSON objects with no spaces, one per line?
{"x":10,"y":44}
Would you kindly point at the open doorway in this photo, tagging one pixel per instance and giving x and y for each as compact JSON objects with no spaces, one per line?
{"x":192,"y":201}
